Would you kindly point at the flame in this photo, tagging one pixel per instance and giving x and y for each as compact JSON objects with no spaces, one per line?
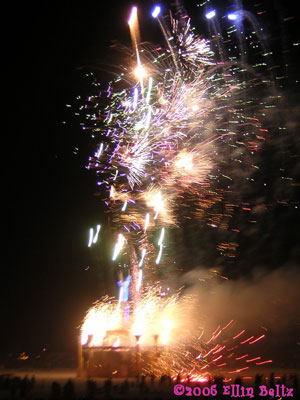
{"x":153,"y":315}
{"x":102,"y":317}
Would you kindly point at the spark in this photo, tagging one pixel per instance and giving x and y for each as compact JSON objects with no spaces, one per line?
{"x":147,"y":218}
{"x":253,"y":359}
{"x":124,"y":206}
{"x":135,"y":98}
{"x":247,"y":340}
{"x":139,"y":282}
{"x":156,"y":12}
{"x":118,"y":246}
{"x":158,"y":258}
{"x":93,"y":238}
{"x":99,"y":151}
{"x":210,"y":14}
{"x":241,"y":358}
{"x":144,"y":251}
{"x":264,"y":362}
{"x":161,"y":238}
{"x":239,"y":334}
{"x":256,"y":340}
{"x":91,"y":235}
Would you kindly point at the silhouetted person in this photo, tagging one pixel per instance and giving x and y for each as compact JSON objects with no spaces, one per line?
{"x":163,"y":380}
{"x":125,"y":387}
{"x":13,"y":389}
{"x":238,"y":380}
{"x":32,"y":382}
{"x":24,"y":387}
{"x":257,"y":383}
{"x":91,"y":389}
{"x":115,"y":388}
{"x":295,"y":383}
{"x":107,"y":386}
{"x":152,"y":379}
{"x":283,"y":379}
{"x":143,"y":385}
{"x":272,"y":380}
{"x":69,"y":391}
{"x":14,"y":384}
{"x":137,"y":379}
{"x":219,"y":382}
{"x":55,"y":390}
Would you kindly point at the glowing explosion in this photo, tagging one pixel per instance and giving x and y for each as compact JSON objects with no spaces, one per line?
{"x":173,"y":128}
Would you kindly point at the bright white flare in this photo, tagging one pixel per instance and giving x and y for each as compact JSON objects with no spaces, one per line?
{"x":118,"y":246}
{"x":184,"y":161}
{"x":210,"y":14}
{"x":133,"y":16}
{"x":93,"y":238}
{"x":156,"y":12}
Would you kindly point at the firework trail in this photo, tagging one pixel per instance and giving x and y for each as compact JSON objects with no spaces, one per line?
{"x":171,"y":129}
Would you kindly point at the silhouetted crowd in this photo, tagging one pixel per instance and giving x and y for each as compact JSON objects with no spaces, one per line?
{"x":142,"y":388}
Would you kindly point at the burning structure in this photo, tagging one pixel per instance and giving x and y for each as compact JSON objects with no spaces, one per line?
{"x":119,"y":341}
{"x":119,"y":359}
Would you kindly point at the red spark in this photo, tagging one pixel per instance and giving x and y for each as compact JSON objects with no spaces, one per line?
{"x":253,"y":359}
{"x":264,"y":362}
{"x":244,"y":356}
{"x":256,"y":340}
{"x":247,"y":340}
{"x":239,"y":334}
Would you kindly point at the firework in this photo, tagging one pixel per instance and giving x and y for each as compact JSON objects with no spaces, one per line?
{"x":173,"y":123}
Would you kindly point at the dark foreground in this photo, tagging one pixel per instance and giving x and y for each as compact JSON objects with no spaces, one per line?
{"x":64,"y":385}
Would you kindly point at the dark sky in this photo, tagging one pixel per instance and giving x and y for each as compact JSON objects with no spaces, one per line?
{"x":45,"y":288}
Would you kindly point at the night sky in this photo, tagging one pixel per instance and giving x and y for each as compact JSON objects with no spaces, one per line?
{"x":50,"y":278}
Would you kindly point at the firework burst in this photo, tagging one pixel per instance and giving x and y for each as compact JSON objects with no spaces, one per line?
{"x":174,"y":122}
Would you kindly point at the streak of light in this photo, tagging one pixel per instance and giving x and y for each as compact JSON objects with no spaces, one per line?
{"x":247,"y":340}
{"x":161,"y":238}
{"x":120,"y":295}
{"x":118,"y":246}
{"x":253,"y":359}
{"x":147,"y":219}
{"x":239,"y":334}
{"x":256,"y":340}
{"x":157,"y":261}
{"x":133,"y":16}
{"x":238,"y":370}
{"x":149,"y":90}
{"x":139,"y":282}
{"x":156,"y":12}
{"x":210,"y":14}
{"x":264,"y":362}
{"x":240,"y":358}
{"x":99,"y":152}
{"x":124,"y":206}
{"x":91,"y":235}
{"x":135,"y":98}
{"x":95,"y":239}
{"x":142,"y":258}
